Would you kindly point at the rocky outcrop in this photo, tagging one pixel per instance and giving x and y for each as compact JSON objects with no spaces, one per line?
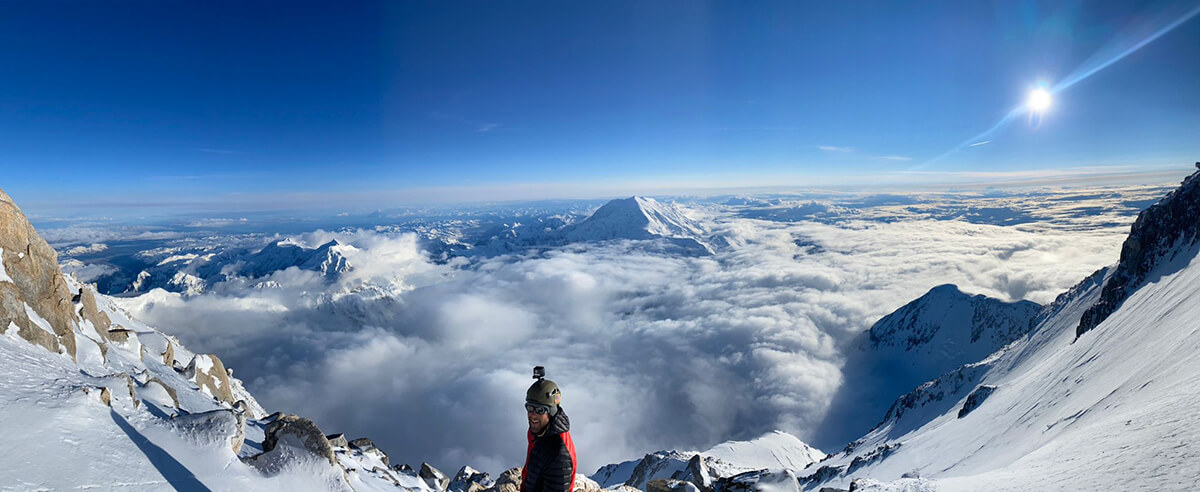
{"x":338,"y":441}
{"x":975,"y":399}
{"x":30,"y":276}
{"x":91,"y":312}
{"x":367,"y":447}
{"x":436,"y":479}
{"x":207,"y":371}
{"x":470,"y":480}
{"x":697,"y":473}
{"x":1160,"y":233}
{"x":290,"y":436}
{"x":759,"y":480}
{"x":509,"y":481}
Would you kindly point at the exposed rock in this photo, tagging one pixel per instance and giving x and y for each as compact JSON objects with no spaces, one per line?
{"x":403,"y":468}
{"x":338,"y":440}
{"x":470,"y":480}
{"x":287,"y":437}
{"x":367,"y":447}
{"x":434,"y":477}
{"x":91,"y":312}
{"x":509,"y":481}
{"x":120,"y":335}
{"x":697,"y":473}
{"x":585,"y":484}
{"x":975,"y":399}
{"x":207,"y":371}
{"x":759,"y":481}
{"x":1160,"y":232}
{"x":104,"y":393}
{"x":34,"y":279}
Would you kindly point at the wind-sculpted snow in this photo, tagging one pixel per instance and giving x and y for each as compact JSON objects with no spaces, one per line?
{"x":654,"y":350}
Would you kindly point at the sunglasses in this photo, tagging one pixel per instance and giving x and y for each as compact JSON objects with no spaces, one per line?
{"x":538,"y":409}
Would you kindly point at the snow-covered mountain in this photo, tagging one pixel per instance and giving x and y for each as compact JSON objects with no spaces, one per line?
{"x":1112,"y":407}
{"x":935,"y":333}
{"x":775,"y":450}
{"x":195,"y":272}
{"x":642,"y":219}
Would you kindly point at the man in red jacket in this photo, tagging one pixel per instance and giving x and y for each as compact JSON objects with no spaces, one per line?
{"x":550,"y":459}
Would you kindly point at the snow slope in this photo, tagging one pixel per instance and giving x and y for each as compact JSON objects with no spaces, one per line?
{"x":1114,"y":409}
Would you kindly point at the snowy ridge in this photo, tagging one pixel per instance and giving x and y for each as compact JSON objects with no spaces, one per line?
{"x":772,"y":451}
{"x":1113,"y":409}
{"x":84,"y":382}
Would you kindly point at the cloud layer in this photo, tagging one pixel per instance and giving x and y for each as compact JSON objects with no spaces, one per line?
{"x":652,"y":352}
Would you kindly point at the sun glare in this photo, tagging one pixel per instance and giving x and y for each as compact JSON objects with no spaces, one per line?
{"x":1039,"y":100}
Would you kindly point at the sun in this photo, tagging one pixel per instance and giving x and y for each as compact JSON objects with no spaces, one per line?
{"x":1039,"y":100}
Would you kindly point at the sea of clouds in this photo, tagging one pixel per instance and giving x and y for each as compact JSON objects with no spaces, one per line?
{"x":651,"y":351}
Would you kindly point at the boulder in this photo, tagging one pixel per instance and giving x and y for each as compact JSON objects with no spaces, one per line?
{"x":288,"y":437}
{"x":585,"y":484}
{"x":338,"y":440}
{"x":434,"y":477}
{"x":509,"y":481}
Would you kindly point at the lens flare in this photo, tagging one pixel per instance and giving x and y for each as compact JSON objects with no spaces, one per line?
{"x":1039,"y":100}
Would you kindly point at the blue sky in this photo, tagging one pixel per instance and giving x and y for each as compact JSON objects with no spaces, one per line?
{"x":249,"y":105}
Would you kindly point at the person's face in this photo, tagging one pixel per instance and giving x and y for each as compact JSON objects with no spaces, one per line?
{"x":537,"y":421}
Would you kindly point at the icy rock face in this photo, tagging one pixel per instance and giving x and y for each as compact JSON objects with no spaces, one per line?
{"x":1161,"y":233}
{"x":30,"y":276}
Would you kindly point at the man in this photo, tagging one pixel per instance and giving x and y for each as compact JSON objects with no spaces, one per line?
{"x":550,"y":459}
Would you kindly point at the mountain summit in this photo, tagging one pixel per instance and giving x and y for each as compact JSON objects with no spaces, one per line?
{"x":640,"y":218}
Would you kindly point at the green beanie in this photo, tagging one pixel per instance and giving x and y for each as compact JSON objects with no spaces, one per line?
{"x":544,"y":392}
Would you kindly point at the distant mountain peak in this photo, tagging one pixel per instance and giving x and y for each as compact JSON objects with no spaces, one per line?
{"x":939,"y":312}
{"x":640,"y":218}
